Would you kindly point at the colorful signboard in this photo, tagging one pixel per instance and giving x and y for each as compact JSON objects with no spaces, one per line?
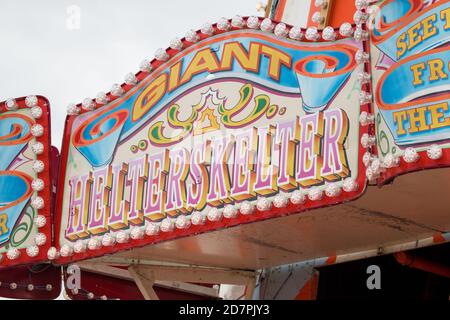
{"x":236,"y":127}
{"x":410,"y":71}
{"x":25,"y":181}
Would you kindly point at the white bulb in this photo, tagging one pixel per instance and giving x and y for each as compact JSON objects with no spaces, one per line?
{"x":223,"y":24}
{"x":328,"y":34}
{"x":361,"y":57}
{"x":346,"y":29}
{"x":237,"y":22}
{"x":367,"y":140}
{"x":167,"y":225}
{"x":37,"y":130}
{"x":37,"y":185}
{"x":102,"y":98}
{"x":161,"y":55}
{"x":152,"y":229}
{"x":267,"y":25}
{"x":73,"y":109}
{"x":32,"y":251}
{"x":40,"y":239}
{"x":349,"y":185}
{"x":363,"y":77}
{"x":192,"y":36}
{"x":297,"y":197}
{"x":198,"y":218}
{"x":366,"y":118}
{"x":13,"y":254}
{"x":79,"y":246}
{"x":145,"y":66}
{"x":253,"y":22}
{"x":207,"y":28}
{"x":183,"y":222}
{"x":11,"y":105}
{"x":94,"y":244}
{"x":88,"y":104}
{"x":214,"y":214}
{"x":122,"y":237}
{"x":246,"y":208}
{"x":130,"y":79}
{"x":333,"y":190}
{"x":38,"y":166}
{"x":117,"y":90}
{"x":66,"y":250}
{"x":434,"y":152}
{"x":31,"y":101}
{"x":365,"y":97}
{"x":37,"y":148}
{"x":391,"y":161}
{"x":360,"y":35}
{"x":360,"y":17}
{"x":40,"y":221}
{"x":296,"y":33}
{"x":52,"y":253}
{"x":281,"y":30}
{"x":280,"y":201}
{"x":411,"y":155}
{"x":36,"y":112}
{"x":264,"y":204}
{"x":230,"y":211}
{"x":361,"y":4}
{"x":108,"y":240}
{"x":312,"y":34}
{"x":317,"y":17}
{"x":315,"y":194}
{"x":37,"y":203}
{"x":321,"y":4}
{"x":176,"y":44}
{"x":136,"y":233}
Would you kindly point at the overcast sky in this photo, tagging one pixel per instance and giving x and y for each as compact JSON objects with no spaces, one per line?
{"x":44,"y":51}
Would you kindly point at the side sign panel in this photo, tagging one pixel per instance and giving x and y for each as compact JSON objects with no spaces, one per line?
{"x":223,"y":133}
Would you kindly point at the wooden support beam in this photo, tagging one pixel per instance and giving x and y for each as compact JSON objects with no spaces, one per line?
{"x":144,"y":283}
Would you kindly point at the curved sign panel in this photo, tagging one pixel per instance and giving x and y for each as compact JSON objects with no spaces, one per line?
{"x":411,"y":75}
{"x":25,"y":192}
{"x":239,"y":127}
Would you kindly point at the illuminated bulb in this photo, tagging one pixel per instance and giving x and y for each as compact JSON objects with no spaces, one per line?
{"x":145,"y":66}
{"x":37,"y":184}
{"x":312,"y":34}
{"x":253,"y":22}
{"x":391,"y":161}
{"x":73,"y":109}
{"x":48,"y":287}
{"x":230,"y":211}
{"x":183,"y":222}
{"x":90,"y":296}
{"x":333,"y":190}
{"x":317,"y":18}
{"x":32,"y":251}
{"x":117,"y":90}
{"x":281,"y":30}
{"x":361,"y":4}
{"x":237,"y":22}
{"x":136,"y":233}
{"x":52,"y":253}
{"x":38,"y":166}
{"x":363,"y":77}
{"x":40,"y":221}
{"x":375,"y":165}
{"x":167,"y":225}
{"x":207,"y":28}
{"x":349,"y":185}
{"x":367,"y":140}
{"x":192,"y":36}
{"x":198,"y":218}
{"x":214,"y":214}
{"x":88,"y":104}
{"x":315,"y":194}
{"x":40,"y":239}
{"x":66,"y":250}
{"x":176,"y":44}
{"x":280,"y":201}
{"x":108,"y":240}
{"x":104,"y":297}
{"x":328,"y":34}
{"x":11,"y":105}
{"x":13,"y":254}
{"x":346,"y":29}
{"x":434,"y":152}
{"x":361,"y":57}
{"x":122,"y":236}
{"x":13,"y":286}
{"x":31,"y":101}
{"x":367,"y":158}
{"x":130,"y":79}
{"x":152,"y":229}
{"x":247,"y":208}
{"x":37,"y":203}
{"x":102,"y":98}
{"x":370,"y":174}
{"x":296,"y":33}
{"x":360,"y":35}
{"x":79,"y":246}
{"x":37,"y":130}
{"x":267,"y":25}
{"x":30,"y":287}
{"x":298,"y":197}
{"x":366,"y":118}
{"x":411,"y":155}
{"x":36,"y":112}
{"x":360,"y":17}
{"x":263,"y":204}
{"x":94,"y":244}
{"x":223,"y":24}
{"x":365,"y":97}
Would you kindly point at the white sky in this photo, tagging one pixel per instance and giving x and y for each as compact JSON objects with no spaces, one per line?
{"x":41,"y":54}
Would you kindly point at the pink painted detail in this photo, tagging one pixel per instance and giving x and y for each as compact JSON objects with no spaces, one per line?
{"x":175,"y":187}
{"x":334,"y":127}
{"x":97,"y":218}
{"x":307,"y":159}
{"x":285,"y":136}
{"x":199,"y":177}
{"x":154,"y":187}
{"x":244,"y":158}
{"x":264,"y":175}
{"x":219,"y":176}
{"x":136,"y":170}
{"x":117,"y":204}
{"x":78,"y":204}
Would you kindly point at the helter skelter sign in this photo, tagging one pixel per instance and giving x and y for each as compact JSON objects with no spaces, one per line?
{"x":230,"y":125}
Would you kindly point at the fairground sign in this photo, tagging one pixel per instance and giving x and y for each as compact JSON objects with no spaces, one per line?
{"x":25,"y":181}
{"x":226,"y":127}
